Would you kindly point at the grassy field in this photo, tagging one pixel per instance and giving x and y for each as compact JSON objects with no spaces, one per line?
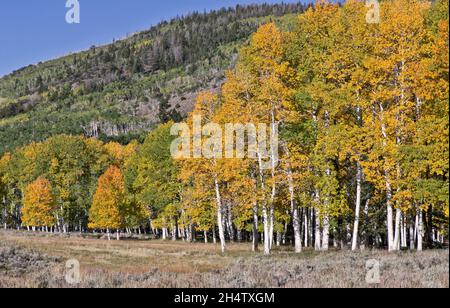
{"x":38,"y":260}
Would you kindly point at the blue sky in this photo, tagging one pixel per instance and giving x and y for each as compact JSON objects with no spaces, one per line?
{"x":33,"y":31}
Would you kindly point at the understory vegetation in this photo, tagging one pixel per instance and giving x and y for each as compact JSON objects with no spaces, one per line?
{"x":37,"y":261}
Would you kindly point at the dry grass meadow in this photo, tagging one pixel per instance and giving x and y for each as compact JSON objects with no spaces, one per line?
{"x":38,"y":261}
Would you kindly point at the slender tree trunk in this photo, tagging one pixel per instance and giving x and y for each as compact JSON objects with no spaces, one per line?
{"x":412,"y":244}
{"x":109,"y":234}
{"x":265,"y":215}
{"x":364,"y":237}
{"x":326,"y":219}
{"x":191,"y":231}
{"x":266,"y":230}
{"x":306,"y":227}
{"x":174,"y":232}
{"x":390,"y":218}
{"x":205,"y":234}
{"x":358,"y":206}
{"x":317,"y":237}
{"x":181,"y":233}
{"x":118,"y":235}
{"x":398,"y":217}
{"x":271,"y":225}
{"x":404,"y":233}
{"x":326,"y":233}
{"x":295,"y":214}
{"x":230,"y":222}
{"x":255,"y":228}
{"x":390,"y":225}
{"x":429,"y":227}
{"x":273,"y":161}
{"x":219,"y":215}
{"x":278,"y":239}
{"x":419,"y":230}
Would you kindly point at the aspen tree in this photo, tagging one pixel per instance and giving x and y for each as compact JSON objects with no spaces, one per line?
{"x":108,"y":209}
{"x":264,"y":60}
{"x":38,"y":204}
{"x":397,"y":46}
{"x":205,"y":171}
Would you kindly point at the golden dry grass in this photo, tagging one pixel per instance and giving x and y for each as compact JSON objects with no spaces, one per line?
{"x":37,"y":260}
{"x":130,"y":255}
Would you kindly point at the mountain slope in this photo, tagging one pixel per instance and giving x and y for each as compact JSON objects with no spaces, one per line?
{"x":121,"y":90}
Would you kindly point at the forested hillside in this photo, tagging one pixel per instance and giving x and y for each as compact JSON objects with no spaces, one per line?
{"x":363,"y":117}
{"x":123,"y":89}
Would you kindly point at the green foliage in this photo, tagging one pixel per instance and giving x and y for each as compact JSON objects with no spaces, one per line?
{"x":153,"y":174}
{"x":131,"y":85}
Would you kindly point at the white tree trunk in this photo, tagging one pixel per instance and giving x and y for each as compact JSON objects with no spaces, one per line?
{"x":266,"y":222}
{"x":297,"y":229}
{"x":271,"y":225}
{"x":278,"y":238}
{"x":296,"y":221}
{"x":273,"y":161}
{"x":306,"y":227}
{"x":255,"y":228}
{"x":230,"y":222}
{"x":295,"y":215}
{"x":318,"y":235}
{"x":326,"y":233}
{"x":174,"y":233}
{"x":419,"y":231}
{"x":265,"y":215}
{"x":357,"y":207}
{"x":219,"y":215}
{"x":398,"y":218}
{"x":390,"y":217}
{"x":404,"y":232}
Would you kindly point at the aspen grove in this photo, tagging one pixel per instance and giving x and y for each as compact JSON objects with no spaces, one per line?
{"x":362,"y":111}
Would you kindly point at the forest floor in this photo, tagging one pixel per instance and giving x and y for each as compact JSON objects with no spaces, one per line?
{"x":38,"y":260}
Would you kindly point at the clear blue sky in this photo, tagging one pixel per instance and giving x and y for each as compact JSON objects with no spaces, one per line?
{"x":33,"y":31}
